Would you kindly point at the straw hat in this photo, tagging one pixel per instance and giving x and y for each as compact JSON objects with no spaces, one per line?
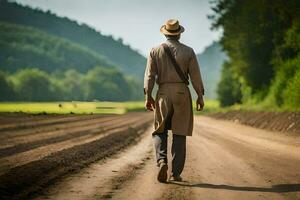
{"x":172,"y":27}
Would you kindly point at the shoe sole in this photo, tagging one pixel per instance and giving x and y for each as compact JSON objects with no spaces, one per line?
{"x":163,"y":174}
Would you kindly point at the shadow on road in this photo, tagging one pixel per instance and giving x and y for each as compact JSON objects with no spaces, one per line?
{"x":280,"y":188}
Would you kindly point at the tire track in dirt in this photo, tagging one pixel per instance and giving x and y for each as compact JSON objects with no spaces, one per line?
{"x":13,"y":118}
{"x":42,"y":133}
{"x":36,"y":130}
{"x":35,"y":122}
{"x":101,"y":179}
{"x":42,"y":151}
{"x":46,"y":138}
{"x":23,"y":181}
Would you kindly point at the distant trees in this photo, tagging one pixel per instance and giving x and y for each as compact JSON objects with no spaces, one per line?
{"x":33,"y":85}
{"x":106,"y":84}
{"x":97,"y":84}
{"x":262,"y":41}
{"x":70,"y":83}
{"x":6,"y":89}
{"x":229,"y":87}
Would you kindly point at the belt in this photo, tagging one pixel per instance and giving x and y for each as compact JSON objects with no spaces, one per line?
{"x":171,"y":83}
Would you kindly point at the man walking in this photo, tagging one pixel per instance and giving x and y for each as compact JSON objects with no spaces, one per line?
{"x":170,"y":65}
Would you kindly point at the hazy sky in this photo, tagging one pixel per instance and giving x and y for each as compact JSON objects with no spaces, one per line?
{"x":138,"y":21}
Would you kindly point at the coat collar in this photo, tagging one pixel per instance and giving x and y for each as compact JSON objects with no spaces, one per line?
{"x":172,"y":41}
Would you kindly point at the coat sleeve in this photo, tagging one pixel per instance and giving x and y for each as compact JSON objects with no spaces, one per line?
{"x":150,"y":74}
{"x":195,"y":74}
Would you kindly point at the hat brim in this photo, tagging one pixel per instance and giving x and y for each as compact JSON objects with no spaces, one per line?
{"x":166,"y":32}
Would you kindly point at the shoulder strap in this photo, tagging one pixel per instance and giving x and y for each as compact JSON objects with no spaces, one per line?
{"x":176,"y":66}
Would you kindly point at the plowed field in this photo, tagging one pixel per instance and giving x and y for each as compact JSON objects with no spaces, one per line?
{"x":37,"y":150}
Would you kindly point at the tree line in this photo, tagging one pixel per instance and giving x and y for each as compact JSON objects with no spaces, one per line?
{"x":262,"y":41}
{"x":99,"y":83}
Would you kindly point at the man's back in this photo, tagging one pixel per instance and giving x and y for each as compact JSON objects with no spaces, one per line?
{"x":160,"y":65}
{"x":183,"y":55}
{"x":170,"y":65}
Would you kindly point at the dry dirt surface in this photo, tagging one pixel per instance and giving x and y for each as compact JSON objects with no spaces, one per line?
{"x":38,"y":150}
{"x":224,"y":161}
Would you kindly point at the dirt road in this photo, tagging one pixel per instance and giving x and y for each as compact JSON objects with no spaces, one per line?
{"x":224,"y":161}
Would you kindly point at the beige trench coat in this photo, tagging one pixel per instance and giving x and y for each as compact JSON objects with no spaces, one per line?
{"x":173,"y":102}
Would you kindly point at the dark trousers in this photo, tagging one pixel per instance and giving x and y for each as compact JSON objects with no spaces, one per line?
{"x":178,"y":150}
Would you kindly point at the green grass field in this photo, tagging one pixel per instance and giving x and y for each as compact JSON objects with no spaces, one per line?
{"x":72,"y":107}
{"x":77,"y":107}
{"x":209,"y":107}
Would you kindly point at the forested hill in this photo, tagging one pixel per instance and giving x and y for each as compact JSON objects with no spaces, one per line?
{"x":23,"y":47}
{"x":124,"y":57}
{"x":211,"y":60}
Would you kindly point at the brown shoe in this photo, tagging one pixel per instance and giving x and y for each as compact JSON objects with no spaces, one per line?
{"x":163,"y":172}
{"x":175,"y":178}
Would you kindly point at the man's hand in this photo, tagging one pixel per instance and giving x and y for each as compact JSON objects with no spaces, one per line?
{"x":199,"y":103}
{"x":150,"y":103}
